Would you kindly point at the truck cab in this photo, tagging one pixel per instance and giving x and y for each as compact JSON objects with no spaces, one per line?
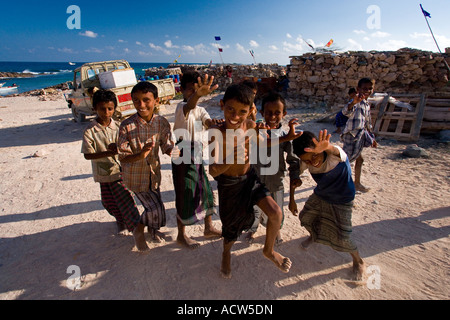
{"x":115,"y":75}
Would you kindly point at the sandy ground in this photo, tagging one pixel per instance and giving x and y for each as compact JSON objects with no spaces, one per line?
{"x":52,"y":219}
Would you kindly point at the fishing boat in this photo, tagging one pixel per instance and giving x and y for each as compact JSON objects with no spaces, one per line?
{"x":8,"y":90}
{"x":72,"y":63}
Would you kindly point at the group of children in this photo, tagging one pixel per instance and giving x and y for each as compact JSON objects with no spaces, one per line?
{"x":125,"y":161}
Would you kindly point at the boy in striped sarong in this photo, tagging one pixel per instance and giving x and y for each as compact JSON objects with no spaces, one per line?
{"x":327,"y":214}
{"x":194,"y":196}
{"x":99,"y":146}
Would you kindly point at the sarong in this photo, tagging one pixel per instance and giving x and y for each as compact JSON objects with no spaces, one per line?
{"x":154,"y":215}
{"x":329,"y":224}
{"x":237,"y":196}
{"x":353,"y":145}
{"x":194,"y":198}
{"x":119,"y":202}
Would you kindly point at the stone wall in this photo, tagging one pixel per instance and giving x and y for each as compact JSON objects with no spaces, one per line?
{"x":240,"y":72}
{"x":325,"y":78}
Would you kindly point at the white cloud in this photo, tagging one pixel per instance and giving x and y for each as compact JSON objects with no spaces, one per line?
{"x":288,"y":35}
{"x":169,"y":44}
{"x":94,"y":50}
{"x":89,"y":34}
{"x":380,"y":34}
{"x":122,"y":41}
{"x":354,"y":45}
{"x":240,"y":48}
{"x":253,"y":44}
{"x":391,"y":45}
{"x":359,"y":31}
{"x":139,"y":43}
{"x":158,"y":48}
{"x":66,"y":50}
{"x":272,"y":47}
{"x":366,"y":39}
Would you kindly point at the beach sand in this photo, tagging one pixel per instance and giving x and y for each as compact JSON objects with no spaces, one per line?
{"x":52,"y":222}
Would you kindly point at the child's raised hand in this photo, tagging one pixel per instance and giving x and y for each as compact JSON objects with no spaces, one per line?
{"x":204,"y":87}
{"x":292,"y":134}
{"x":323,"y":143}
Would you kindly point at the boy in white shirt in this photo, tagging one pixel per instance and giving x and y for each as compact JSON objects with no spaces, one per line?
{"x":194,"y":196}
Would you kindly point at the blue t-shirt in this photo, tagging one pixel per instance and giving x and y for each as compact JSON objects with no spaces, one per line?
{"x":335,"y":186}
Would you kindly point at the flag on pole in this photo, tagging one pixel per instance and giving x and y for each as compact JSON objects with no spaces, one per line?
{"x":217,"y":38}
{"x":252,"y":53}
{"x":329,"y":43}
{"x":425,"y":13}
{"x":176,"y":60}
{"x":220,"y":50}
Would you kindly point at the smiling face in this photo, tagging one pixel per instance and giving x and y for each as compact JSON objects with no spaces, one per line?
{"x":105,"y":111}
{"x":235,"y":113}
{"x":145,"y":104}
{"x":365,"y":90}
{"x":313,"y":159}
{"x":273,"y":113}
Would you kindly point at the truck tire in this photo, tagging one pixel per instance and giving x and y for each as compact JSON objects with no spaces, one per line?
{"x":78,"y":117}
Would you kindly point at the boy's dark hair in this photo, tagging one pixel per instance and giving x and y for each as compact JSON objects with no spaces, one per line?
{"x":239,"y":92}
{"x":365,"y":80}
{"x":352,"y":90}
{"x":302,"y":142}
{"x":251,"y":84}
{"x":103,"y":95}
{"x":145,"y":87}
{"x":189,"y":77}
{"x":273,"y":97}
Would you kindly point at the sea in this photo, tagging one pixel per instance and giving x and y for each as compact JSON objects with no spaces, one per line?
{"x":47,"y":74}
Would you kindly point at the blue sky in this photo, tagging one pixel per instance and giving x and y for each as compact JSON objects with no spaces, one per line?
{"x":160,"y":31}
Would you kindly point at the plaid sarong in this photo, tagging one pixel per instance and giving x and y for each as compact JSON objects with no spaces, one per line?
{"x":194,"y":197}
{"x":329,"y":224}
{"x":353,"y":145}
{"x":154,"y":215}
{"x":119,"y":202}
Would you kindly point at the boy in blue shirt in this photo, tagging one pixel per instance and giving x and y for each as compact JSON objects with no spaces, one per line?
{"x":327,"y":214}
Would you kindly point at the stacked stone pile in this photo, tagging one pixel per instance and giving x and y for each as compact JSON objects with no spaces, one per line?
{"x":325,"y":78}
{"x":239,"y":72}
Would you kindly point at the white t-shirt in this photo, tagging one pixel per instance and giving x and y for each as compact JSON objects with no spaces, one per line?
{"x":193,"y":123}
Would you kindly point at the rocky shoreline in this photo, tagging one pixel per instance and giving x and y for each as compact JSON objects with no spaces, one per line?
{"x":9,"y":75}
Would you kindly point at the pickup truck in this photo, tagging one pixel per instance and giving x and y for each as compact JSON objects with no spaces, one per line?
{"x":94,"y":75}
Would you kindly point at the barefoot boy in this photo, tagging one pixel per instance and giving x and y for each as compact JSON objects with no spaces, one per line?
{"x":238,"y":184}
{"x":273,"y":110}
{"x":99,"y":146}
{"x":358,"y":130}
{"x":140,"y":138}
{"x":327,"y":214}
{"x":194,"y":196}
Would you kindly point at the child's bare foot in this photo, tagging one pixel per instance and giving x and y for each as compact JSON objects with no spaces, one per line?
{"x":211,"y":232}
{"x":283,"y":263}
{"x":359,"y":187}
{"x":121,"y":229}
{"x":156,"y":236}
{"x":139,"y":238}
{"x":305,"y":244}
{"x":250,"y":237}
{"x":184,"y":240}
{"x":358,"y":270}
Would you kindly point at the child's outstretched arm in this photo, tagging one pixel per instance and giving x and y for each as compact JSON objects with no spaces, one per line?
{"x":323,"y":144}
{"x":111,"y":152}
{"x":202,"y":88}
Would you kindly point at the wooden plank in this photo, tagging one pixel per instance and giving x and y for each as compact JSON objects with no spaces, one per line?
{"x":421,"y":109}
{"x":403,"y":124}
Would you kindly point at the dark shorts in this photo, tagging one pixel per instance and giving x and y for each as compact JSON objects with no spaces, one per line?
{"x":237,"y":196}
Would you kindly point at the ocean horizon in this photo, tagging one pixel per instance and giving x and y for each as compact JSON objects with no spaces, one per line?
{"x":47,"y":74}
